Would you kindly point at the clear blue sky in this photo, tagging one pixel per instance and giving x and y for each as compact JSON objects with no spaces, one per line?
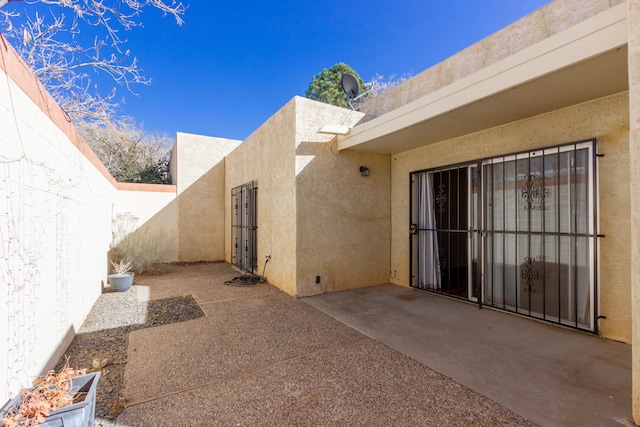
{"x":233,"y":64}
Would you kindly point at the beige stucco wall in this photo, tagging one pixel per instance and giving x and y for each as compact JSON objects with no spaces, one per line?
{"x":198,"y":170}
{"x":267,"y":156}
{"x":634,"y":184}
{"x":316,"y":215}
{"x":550,"y":19}
{"x":55,"y":228}
{"x":605,"y":119}
{"x":144,"y":225}
{"x":343,"y":219}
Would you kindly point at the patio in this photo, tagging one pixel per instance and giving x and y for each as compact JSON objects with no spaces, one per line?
{"x":261,"y":357}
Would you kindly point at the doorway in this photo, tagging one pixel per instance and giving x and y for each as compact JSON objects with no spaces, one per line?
{"x":444,"y":231}
{"x":514,"y":232}
{"x":244,"y":227}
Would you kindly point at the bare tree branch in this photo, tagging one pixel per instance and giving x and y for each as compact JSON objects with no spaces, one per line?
{"x":378,"y":84}
{"x":130,"y":153}
{"x":49,"y":44}
{"x":122,"y":13}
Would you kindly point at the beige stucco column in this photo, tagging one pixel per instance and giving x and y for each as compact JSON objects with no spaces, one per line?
{"x":634,"y":162}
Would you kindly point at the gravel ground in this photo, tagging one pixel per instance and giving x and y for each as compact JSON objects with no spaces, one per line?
{"x":104,"y":338}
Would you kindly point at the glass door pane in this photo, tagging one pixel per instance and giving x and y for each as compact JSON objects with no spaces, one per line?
{"x":539,"y":234}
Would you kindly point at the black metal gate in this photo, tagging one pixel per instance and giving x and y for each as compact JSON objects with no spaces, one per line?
{"x":516,"y":232}
{"x":244,"y":227}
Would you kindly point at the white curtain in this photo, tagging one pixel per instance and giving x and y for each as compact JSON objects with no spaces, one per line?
{"x":428,"y":262}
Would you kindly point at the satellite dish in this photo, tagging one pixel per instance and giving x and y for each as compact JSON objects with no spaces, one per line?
{"x":351,"y":87}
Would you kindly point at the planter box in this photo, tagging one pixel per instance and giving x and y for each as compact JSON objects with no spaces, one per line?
{"x":80,"y":414}
{"x":120,"y":282}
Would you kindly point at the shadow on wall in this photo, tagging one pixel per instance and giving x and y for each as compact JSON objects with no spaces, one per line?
{"x":200,"y":214}
{"x":188,"y":229}
{"x":146,"y":246}
{"x":343,"y":219}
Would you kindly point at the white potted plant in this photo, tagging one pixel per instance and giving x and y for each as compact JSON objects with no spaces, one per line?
{"x":121,"y":278}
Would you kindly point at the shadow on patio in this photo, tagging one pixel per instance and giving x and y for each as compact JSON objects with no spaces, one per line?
{"x":261,"y":357}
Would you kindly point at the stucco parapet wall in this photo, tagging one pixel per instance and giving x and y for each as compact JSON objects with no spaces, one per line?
{"x":20,"y":73}
{"x":150,"y":188}
{"x":539,"y":25}
{"x":324,"y":115}
{"x":193,"y":157}
{"x":585,"y":62}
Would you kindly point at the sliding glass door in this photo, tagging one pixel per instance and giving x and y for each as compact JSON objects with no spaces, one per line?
{"x":444,"y":231}
{"x":517,"y":230}
{"x":540,"y":234}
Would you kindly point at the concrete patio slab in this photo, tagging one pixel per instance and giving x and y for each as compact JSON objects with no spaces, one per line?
{"x":261,"y":357}
{"x":242,"y":335}
{"x":197,"y":280}
{"x":361,"y":382}
{"x":549,"y":375}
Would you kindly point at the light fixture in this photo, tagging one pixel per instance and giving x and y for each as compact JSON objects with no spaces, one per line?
{"x":364,"y":171}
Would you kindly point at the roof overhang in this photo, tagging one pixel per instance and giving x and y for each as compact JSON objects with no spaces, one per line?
{"x":585,"y":62}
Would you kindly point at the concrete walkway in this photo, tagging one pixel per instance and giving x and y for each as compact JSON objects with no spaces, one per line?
{"x":261,"y":357}
{"x":550,"y":375}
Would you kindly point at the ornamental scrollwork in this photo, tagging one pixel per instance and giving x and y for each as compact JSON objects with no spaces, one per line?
{"x":529,"y":274}
{"x":534,"y":193}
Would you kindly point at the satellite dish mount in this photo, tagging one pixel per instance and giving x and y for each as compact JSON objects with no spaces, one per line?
{"x":351,"y":88}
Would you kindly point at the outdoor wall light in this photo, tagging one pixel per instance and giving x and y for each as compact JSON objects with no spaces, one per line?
{"x":364,"y":171}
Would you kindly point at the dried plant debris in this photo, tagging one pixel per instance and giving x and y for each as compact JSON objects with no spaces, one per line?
{"x":48,"y":393}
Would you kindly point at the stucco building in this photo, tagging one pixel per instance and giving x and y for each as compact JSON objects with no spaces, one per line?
{"x":504,"y":175}
{"x":500,"y":176}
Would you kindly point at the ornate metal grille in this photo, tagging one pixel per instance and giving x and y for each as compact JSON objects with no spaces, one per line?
{"x":441,"y":198}
{"x":540,"y":234}
{"x":532,"y":251}
{"x":534,"y":192}
{"x":244,"y":227}
{"x":529,"y":274}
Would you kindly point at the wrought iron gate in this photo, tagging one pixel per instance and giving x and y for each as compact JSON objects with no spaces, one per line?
{"x":244,"y":227}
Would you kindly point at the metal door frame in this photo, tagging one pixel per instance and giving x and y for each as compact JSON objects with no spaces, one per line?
{"x":244,"y":227}
{"x":478,"y":237}
{"x":474,"y":212}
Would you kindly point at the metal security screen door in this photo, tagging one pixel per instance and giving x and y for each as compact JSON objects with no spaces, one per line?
{"x":244,"y":228}
{"x":444,"y":231}
{"x":537,"y":253}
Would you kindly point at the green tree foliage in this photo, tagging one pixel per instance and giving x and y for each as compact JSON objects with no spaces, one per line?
{"x":327,"y":85}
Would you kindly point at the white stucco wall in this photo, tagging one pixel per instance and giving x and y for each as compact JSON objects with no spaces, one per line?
{"x":55,"y":230}
{"x":145,"y":223}
{"x":634,"y":171}
{"x":316,"y":215}
{"x":267,"y":156}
